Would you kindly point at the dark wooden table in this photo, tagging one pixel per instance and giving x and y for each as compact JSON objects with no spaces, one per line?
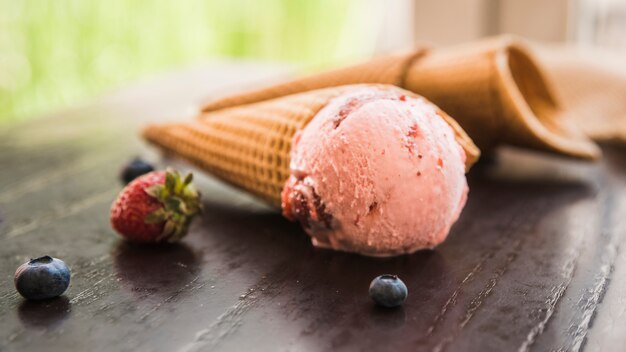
{"x":536,"y":261}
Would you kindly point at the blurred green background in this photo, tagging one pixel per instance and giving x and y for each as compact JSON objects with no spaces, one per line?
{"x":55,"y":54}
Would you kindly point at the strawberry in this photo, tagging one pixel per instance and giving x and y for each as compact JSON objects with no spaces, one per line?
{"x":156,"y":207}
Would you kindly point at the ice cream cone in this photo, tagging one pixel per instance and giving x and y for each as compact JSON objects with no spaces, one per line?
{"x":249,"y":145}
{"x":494,"y":89}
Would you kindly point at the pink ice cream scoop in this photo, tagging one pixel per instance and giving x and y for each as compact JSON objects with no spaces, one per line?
{"x":376,"y":172}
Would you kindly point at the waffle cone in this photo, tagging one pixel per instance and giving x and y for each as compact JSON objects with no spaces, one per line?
{"x":494,"y":89}
{"x":499,"y":94}
{"x":249,"y":146}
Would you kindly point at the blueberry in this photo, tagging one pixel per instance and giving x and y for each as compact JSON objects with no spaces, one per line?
{"x":134,"y":169}
{"x":42,"y":278}
{"x":388,"y":291}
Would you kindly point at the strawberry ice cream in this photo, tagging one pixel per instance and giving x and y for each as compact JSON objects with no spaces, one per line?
{"x":377,"y":172}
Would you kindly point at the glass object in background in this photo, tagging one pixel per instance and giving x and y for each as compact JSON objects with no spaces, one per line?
{"x":59,"y":53}
{"x":602,"y":23}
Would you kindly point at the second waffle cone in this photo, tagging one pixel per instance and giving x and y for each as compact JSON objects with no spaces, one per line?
{"x":495,"y":90}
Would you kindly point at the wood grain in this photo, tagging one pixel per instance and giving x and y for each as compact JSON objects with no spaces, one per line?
{"x":532,"y":265}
